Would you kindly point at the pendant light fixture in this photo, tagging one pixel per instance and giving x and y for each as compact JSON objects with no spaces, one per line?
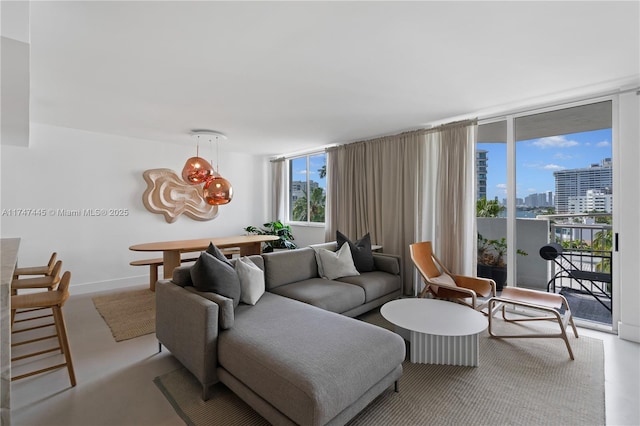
{"x":196,"y":170}
{"x":217,"y":190}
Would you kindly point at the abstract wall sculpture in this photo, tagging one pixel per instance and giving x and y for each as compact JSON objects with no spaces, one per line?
{"x":169,"y":195}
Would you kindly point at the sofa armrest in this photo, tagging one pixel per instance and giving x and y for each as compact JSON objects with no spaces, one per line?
{"x":387,"y":263}
{"x":187,"y":325}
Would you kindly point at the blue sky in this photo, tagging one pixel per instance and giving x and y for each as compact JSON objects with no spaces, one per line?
{"x":299,"y":169}
{"x":537,"y":159}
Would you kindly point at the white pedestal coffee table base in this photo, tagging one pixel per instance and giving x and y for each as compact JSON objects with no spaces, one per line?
{"x":439,"y":332}
{"x":448,"y":350}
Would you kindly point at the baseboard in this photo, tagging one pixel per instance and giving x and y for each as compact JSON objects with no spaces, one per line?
{"x":95,"y":287}
{"x":629,"y":332}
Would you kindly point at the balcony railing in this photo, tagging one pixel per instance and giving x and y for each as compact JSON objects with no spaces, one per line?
{"x":583,"y":270}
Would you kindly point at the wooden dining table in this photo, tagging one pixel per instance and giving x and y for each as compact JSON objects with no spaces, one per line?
{"x":171,"y":250}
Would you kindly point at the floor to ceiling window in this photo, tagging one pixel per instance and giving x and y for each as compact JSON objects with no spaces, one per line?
{"x":549,"y":180}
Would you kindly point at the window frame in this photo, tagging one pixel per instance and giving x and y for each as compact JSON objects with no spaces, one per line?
{"x":290,"y":181}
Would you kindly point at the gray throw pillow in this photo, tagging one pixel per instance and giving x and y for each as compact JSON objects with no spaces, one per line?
{"x":211,"y":274}
{"x":360,"y":251}
{"x":217,"y":253}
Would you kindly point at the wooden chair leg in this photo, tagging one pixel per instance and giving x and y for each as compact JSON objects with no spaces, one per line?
{"x":62,"y":334}
{"x":153,"y":277}
{"x":553,"y":315}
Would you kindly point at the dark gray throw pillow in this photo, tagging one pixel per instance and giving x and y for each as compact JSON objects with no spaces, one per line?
{"x":360,"y":251}
{"x":211,"y":274}
{"x":217,"y":253}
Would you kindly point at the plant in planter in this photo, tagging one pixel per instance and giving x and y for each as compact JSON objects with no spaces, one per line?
{"x":274,"y":228}
{"x":491,"y":260}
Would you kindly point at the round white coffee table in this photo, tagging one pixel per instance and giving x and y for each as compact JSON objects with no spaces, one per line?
{"x":439,"y":332}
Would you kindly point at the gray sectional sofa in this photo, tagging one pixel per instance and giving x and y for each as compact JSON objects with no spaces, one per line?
{"x":295,"y":356}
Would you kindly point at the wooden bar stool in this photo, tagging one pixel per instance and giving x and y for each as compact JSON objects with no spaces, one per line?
{"x":48,"y":281}
{"x":45,"y":299}
{"x":37,"y":270}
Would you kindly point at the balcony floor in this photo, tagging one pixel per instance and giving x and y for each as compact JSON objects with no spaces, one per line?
{"x":586,"y":307}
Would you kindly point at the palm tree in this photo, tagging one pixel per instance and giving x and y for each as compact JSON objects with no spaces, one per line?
{"x":488,"y":208}
{"x":603,"y":241}
{"x":316,"y":206}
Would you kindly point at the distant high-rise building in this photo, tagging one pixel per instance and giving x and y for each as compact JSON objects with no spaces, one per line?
{"x":576,"y":183}
{"x":298,"y":188}
{"x":594,"y":201}
{"x":538,"y":200}
{"x":481,"y":174}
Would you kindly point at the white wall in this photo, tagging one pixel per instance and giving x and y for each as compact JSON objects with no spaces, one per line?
{"x":627,"y":223}
{"x":307,"y":235}
{"x":71,"y":169}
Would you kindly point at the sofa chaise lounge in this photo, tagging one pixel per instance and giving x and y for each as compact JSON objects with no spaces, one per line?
{"x":296,"y":356}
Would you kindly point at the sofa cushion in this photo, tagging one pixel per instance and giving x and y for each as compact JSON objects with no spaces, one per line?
{"x":335,"y":264}
{"x":225,"y":306}
{"x":387,"y":263}
{"x":309,"y":363}
{"x":289,"y":266}
{"x":251,"y":280}
{"x":212,"y":274}
{"x":360,"y":251}
{"x":444,"y":279}
{"x":182,"y":276}
{"x":330,"y":295}
{"x":375,"y":284}
{"x":215,"y":252}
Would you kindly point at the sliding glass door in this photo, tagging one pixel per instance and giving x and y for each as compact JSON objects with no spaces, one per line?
{"x":547,"y":177}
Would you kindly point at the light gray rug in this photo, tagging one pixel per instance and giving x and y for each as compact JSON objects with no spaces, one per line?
{"x":518,"y":382}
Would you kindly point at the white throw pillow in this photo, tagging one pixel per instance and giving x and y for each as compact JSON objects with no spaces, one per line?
{"x":332,"y":265}
{"x":251,"y":280}
{"x":443,"y":279}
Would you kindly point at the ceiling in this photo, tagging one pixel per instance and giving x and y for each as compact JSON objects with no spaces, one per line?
{"x":282,"y":77}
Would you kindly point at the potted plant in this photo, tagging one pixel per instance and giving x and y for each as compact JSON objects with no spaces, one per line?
{"x":274,"y":228}
{"x":491,"y":260}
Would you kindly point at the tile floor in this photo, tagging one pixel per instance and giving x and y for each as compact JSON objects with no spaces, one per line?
{"x":115,"y":380}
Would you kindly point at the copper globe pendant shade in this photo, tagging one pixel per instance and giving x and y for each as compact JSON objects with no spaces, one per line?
{"x":217,"y":191}
{"x":197,"y":170}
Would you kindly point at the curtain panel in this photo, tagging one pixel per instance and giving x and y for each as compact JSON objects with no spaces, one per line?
{"x":401,"y":189}
{"x":279,"y":192}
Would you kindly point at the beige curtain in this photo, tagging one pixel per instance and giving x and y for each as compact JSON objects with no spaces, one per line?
{"x":447,"y":215}
{"x":372,"y":187}
{"x":279,"y":195}
{"x":411,"y":187}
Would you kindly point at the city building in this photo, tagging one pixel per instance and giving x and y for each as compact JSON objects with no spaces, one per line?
{"x":576,"y":183}
{"x":481,"y":173}
{"x":595,"y":200}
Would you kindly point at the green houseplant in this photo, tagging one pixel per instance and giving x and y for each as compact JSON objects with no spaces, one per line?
{"x":491,"y":260}
{"x":274,"y":228}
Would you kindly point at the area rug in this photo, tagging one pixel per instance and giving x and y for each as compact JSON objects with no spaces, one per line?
{"x":128,"y":314}
{"x":518,"y":382}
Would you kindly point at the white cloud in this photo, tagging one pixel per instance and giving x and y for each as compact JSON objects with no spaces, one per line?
{"x":555,"y":142}
{"x":603,"y":144}
{"x":553,"y":167}
{"x":562,"y":156}
{"x":532,"y":191}
{"x":501,"y":186}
